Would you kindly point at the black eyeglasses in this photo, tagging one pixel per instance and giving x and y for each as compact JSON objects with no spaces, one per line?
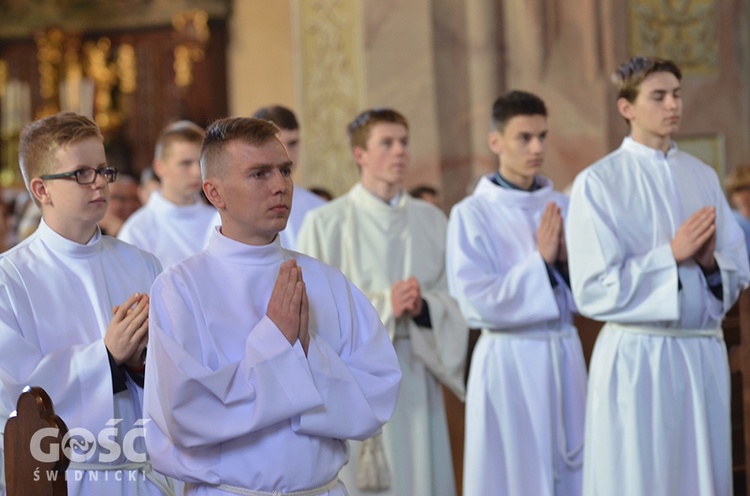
{"x":86,"y":175}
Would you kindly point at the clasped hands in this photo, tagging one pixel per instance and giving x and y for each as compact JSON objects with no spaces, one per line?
{"x":696,"y":238}
{"x":288,"y":307}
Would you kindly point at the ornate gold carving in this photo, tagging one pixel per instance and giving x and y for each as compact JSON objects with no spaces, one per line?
{"x":681,"y":30}
{"x":126,"y":68}
{"x":49,"y":46}
{"x":332,"y":87}
{"x":21,"y":18}
{"x":3,"y":77}
{"x":103,"y":72}
{"x":192,"y":34}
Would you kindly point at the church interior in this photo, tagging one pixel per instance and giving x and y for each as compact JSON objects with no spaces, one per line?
{"x":137,"y":65}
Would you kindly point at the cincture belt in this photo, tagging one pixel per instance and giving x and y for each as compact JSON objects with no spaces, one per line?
{"x":554,"y":336}
{"x":316,"y":491}
{"x":164,"y":485}
{"x":667,"y":331}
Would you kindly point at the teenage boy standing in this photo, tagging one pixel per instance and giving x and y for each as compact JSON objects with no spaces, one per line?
{"x":655,"y":252}
{"x":74,"y":309}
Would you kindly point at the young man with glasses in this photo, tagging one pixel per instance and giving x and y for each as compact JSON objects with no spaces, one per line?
{"x":74,"y":308}
{"x":175,"y":223}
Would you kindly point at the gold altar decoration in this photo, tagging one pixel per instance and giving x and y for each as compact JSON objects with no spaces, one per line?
{"x":192,"y":34}
{"x":83,"y":77}
{"x":681,"y":30}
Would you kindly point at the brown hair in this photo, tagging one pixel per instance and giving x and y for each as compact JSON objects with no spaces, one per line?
{"x":248,"y":130}
{"x":738,"y":179}
{"x":40,"y":141}
{"x":359,"y":129}
{"x":182,"y":131}
{"x":279,"y":115}
{"x":629,"y":76}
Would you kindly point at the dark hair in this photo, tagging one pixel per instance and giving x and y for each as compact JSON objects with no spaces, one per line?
{"x":322,"y":192}
{"x":629,"y":76}
{"x":281,"y":116}
{"x":249,"y":130}
{"x":515,"y":103}
{"x":359,"y":129}
{"x":419,"y":191}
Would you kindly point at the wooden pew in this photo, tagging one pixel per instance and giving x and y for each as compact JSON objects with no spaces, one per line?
{"x":24,"y":474}
{"x":737,"y":336}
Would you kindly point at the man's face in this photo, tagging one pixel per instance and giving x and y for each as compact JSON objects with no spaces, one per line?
{"x":253,"y":191}
{"x":387,"y":156}
{"x":656,"y":113}
{"x":290,"y":139}
{"x":70,"y":207}
{"x":180,"y":172}
{"x":123,"y":198}
{"x":520,"y":147}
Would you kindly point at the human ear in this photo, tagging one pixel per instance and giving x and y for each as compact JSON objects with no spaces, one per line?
{"x":158,"y":166}
{"x":213,"y":193}
{"x":625,"y":108}
{"x":359,"y":154}
{"x":38,"y":188}
{"x":494,"y":142}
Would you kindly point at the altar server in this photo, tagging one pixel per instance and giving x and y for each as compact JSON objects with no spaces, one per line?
{"x":262,"y":362}
{"x":74,"y":312}
{"x":655,"y":252}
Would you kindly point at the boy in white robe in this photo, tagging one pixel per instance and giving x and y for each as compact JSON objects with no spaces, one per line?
{"x":392,"y":246}
{"x":654,"y":252}
{"x":74,"y":311}
{"x":303,"y":200}
{"x":507,"y":267}
{"x":175,"y":222}
{"x":252,"y":387}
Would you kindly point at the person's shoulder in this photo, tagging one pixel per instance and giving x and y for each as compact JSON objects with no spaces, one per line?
{"x":331,"y":211}
{"x":137,"y":220}
{"x":20,"y":253}
{"x":313,"y":269}
{"x":471,"y":202}
{"x":128,"y":251}
{"x":188,"y":269}
{"x":687,"y":160}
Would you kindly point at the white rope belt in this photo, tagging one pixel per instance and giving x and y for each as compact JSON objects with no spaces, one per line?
{"x":668,"y":331}
{"x":554,"y":337}
{"x":316,"y":491}
{"x":164,"y":485}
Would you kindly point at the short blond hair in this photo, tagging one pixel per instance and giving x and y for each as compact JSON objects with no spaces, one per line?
{"x":180,"y":131}
{"x":40,"y":141}
{"x":738,"y":179}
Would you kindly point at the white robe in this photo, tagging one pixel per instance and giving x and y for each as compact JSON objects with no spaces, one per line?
{"x":171,"y":232}
{"x":657,"y":419}
{"x":232,"y":401}
{"x":56,"y":300}
{"x":302,"y":202}
{"x":527,"y":383}
{"x":375,"y":245}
